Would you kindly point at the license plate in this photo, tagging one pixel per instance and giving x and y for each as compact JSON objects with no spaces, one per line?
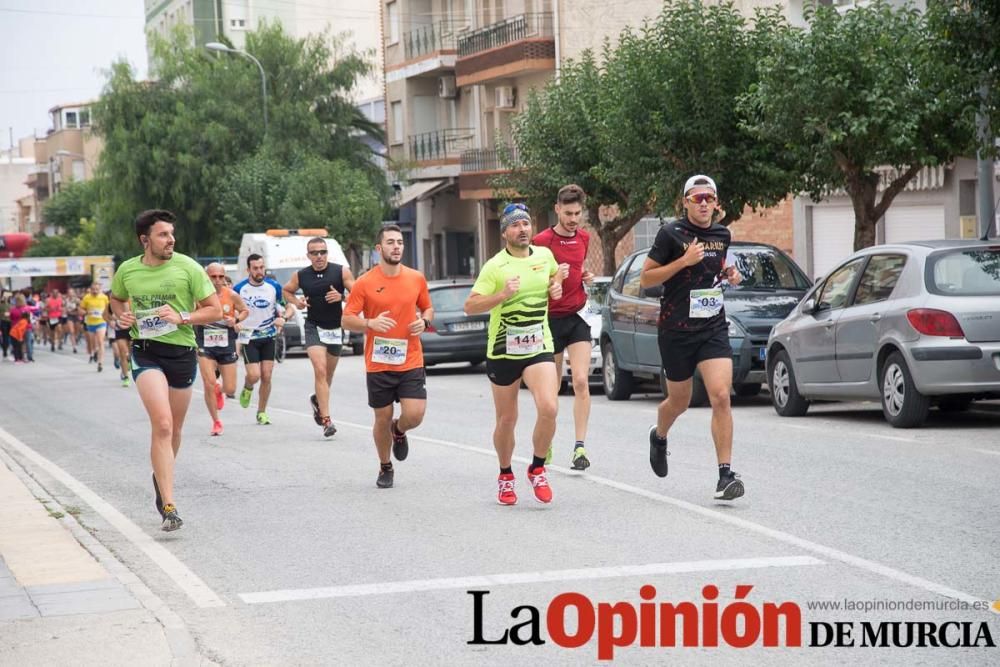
{"x":762,"y":353}
{"x":467,"y":326}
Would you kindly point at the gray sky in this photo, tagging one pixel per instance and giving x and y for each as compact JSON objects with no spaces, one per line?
{"x":55,"y":51}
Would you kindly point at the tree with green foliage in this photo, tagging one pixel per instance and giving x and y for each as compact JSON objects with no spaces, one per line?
{"x":858,"y":91}
{"x":171,"y":143}
{"x":250,"y":197}
{"x":74,"y":202}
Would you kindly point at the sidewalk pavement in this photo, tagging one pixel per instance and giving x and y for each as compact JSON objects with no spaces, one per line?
{"x":61,"y":603}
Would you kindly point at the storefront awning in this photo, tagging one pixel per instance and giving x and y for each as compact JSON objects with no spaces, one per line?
{"x":418,"y":190}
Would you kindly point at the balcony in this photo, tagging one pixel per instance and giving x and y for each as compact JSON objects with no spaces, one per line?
{"x":441,"y":146}
{"x":480,"y":166}
{"x":508,"y":48}
{"x":431,"y":38}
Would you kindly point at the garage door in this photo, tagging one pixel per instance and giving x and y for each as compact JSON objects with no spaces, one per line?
{"x":832,"y":237}
{"x":914,"y":223}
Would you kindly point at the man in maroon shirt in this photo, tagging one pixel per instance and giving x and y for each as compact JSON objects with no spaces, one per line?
{"x":570,"y":331}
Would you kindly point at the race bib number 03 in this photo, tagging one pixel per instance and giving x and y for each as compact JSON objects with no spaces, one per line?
{"x":391,"y":351}
{"x":216,"y":338}
{"x":330,"y":336}
{"x":706,"y":302}
{"x":525,"y":340}
{"x":152,"y":325}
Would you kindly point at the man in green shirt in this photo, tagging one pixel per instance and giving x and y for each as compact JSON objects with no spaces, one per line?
{"x":169,"y":293}
{"x":515,"y":286}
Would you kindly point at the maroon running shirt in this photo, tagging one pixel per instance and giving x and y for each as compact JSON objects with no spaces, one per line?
{"x":570,"y":250}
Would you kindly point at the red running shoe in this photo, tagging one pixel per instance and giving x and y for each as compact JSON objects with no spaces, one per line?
{"x":540,"y":484}
{"x":506,"y":495}
{"x":217,"y":427}
{"x":220,"y":398}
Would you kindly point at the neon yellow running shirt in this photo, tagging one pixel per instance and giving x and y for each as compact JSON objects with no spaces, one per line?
{"x":519,"y":327}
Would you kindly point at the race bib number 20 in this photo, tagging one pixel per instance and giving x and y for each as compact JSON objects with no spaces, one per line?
{"x":391,"y":351}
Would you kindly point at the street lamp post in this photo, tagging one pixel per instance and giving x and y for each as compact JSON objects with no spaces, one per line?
{"x":218,"y":46}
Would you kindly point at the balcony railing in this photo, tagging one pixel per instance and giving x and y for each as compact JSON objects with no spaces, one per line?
{"x":440,"y":144}
{"x":503,"y":32}
{"x":438,"y":36}
{"x":490,"y":159}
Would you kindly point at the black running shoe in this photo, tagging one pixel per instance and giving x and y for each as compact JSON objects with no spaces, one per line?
{"x":329,"y":430}
{"x":384,"y":480}
{"x":729,"y":487}
{"x":315,"y":406}
{"x":159,"y":499}
{"x":657,"y":453}
{"x":171,"y":521}
{"x":400,"y":444}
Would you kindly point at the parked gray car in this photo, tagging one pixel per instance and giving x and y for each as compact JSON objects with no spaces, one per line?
{"x":909,"y":324}
{"x":772,"y":285}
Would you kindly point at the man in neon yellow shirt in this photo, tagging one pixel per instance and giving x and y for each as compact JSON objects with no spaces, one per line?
{"x":515,"y":286}
{"x":92,"y":305}
{"x":169,"y":292}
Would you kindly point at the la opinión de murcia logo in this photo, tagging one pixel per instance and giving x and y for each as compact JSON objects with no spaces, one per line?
{"x":736,"y":623}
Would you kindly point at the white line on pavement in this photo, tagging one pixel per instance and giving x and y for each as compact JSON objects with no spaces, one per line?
{"x":781,"y":536}
{"x":579,"y":574}
{"x":987,"y":451}
{"x":841,"y":432}
{"x":186,"y":580}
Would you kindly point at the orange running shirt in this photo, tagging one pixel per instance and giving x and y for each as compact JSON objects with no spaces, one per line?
{"x":405,"y":296}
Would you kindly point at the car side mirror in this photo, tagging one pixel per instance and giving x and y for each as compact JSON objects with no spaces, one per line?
{"x":809,"y":307}
{"x":654,"y":292}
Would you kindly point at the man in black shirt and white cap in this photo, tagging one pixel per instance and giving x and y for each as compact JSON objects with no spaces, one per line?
{"x":688,"y":258}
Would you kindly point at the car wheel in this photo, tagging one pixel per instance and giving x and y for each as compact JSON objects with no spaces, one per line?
{"x":358,"y":345}
{"x":478,"y":362}
{"x":955,"y":404}
{"x":785,"y":396}
{"x":617,"y":383}
{"x":279,"y":348}
{"x":699,"y":394}
{"x":563,"y":387}
{"x":747,"y":390}
{"x":902,"y":404}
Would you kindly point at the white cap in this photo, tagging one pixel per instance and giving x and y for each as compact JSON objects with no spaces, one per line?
{"x":702,"y":180}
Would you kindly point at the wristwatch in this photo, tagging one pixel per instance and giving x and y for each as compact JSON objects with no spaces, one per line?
{"x":427,"y":323}
{"x":185,"y":317}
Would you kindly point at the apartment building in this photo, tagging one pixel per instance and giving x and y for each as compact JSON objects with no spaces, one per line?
{"x":68,"y":152}
{"x":232,"y":19}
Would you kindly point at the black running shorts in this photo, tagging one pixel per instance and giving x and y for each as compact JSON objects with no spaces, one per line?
{"x":387,"y":387}
{"x":179,"y":364}
{"x":682,"y":351}
{"x":258,"y":350}
{"x":568,"y":330}
{"x":312,"y":338}
{"x":123,"y":334}
{"x":505,"y":372}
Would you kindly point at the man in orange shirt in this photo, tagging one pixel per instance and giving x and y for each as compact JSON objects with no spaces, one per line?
{"x":392,"y":305}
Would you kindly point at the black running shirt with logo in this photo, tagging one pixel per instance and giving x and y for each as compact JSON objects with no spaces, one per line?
{"x":688,"y":302}
{"x":315,"y":286}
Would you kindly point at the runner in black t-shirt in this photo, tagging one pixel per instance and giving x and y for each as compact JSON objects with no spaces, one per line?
{"x":689,"y":258}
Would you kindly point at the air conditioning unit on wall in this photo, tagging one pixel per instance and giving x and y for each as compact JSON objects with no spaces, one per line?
{"x":446,"y":86}
{"x":504,"y":97}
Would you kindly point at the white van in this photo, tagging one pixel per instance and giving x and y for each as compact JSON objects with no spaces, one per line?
{"x":284,"y":253}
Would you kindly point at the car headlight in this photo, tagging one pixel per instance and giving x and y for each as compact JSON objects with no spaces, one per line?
{"x":735,"y":329}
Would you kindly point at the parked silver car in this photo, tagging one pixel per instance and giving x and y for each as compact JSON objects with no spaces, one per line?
{"x":910,"y":324}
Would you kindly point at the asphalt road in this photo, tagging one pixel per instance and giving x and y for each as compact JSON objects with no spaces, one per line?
{"x":290,"y":555}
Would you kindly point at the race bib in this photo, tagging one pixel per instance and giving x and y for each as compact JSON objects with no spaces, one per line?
{"x":216,"y":338}
{"x":334,"y":336}
{"x":53,"y":321}
{"x":706,"y":302}
{"x":95,"y":313}
{"x":525,"y":340}
{"x":244,"y":336}
{"x":391,"y":351}
{"x":152,"y":325}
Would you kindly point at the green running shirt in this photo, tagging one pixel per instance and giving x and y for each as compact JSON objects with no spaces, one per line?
{"x":179,"y":283}
{"x":519,"y":327}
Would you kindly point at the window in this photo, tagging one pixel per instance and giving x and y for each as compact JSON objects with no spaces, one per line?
{"x":631,"y":286}
{"x":71,"y":119}
{"x":238,"y":24}
{"x":973,"y":272}
{"x":645,"y":232}
{"x":763,"y":268}
{"x":450,"y":299}
{"x":879,"y":279}
{"x":392,"y":21}
{"x":397,"y":122}
{"x":837,"y":287}
{"x":84,"y":118}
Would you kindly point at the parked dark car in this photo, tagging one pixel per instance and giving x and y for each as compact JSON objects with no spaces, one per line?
{"x":772,"y":286}
{"x":454,"y":336}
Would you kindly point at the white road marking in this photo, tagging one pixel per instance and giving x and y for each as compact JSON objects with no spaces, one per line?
{"x":579,"y":574}
{"x":186,"y":580}
{"x":987,"y":451}
{"x":781,"y":536}
{"x":840,"y":431}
